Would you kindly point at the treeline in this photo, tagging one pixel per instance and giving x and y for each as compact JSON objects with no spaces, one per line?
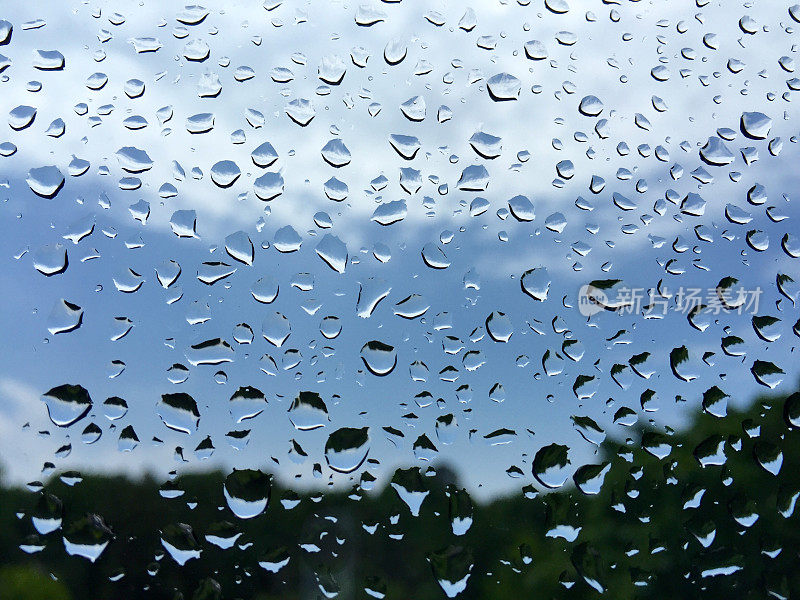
{"x":708,"y":511}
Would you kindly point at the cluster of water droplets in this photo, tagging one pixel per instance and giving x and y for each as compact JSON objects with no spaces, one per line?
{"x":345,"y":246}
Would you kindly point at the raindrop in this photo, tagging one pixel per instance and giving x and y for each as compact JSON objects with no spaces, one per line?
{"x":503,"y":86}
{"x":179,"y":540}
{"x":379,"y":358}
{"x":264,"y":155}
{"x":87,"y":537}
{"x":499,"y":327}
{"x":414,"y":108}
{"x":247,"y":492}
{"x":45,"y":181}
{"x":411,"y":489}
{"x":67,"y":404}
{"x":347,"y":449}
{"x":64,"y":317}
{"x":225,"y":173}
{"x":247,"y":403}
{"x":395,"y":51}
{"x":550,"y":465}
{"x":755,"y":125}
{"x":301,"y":111}
{"x":333,"y":252}
{"x":590,"y":106}
{"x":179,"y":412}
{"x":276,"y":329}
{"x":336,"y":153}
{"x":452,"y":567}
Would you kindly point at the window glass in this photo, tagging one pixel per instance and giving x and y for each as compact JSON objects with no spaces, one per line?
{"x":399,"y":299}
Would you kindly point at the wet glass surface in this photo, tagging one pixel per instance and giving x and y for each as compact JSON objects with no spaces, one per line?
{"x":398,"y":299}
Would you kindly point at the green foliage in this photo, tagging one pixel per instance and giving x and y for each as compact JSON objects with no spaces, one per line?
{"x":19,"y":582}
{"x":702,"y":512}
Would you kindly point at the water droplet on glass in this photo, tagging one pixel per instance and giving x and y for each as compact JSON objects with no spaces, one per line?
{"x":347,"y":449}
{"x":379,"y":358}
{"x":247,"y":492}
{"x":67,"y":404}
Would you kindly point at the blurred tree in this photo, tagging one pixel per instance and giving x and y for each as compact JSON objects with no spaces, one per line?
{"x":19,"y":582}
{"x":708,"y":511}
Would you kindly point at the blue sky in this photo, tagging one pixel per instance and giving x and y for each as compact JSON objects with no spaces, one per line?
{"x":703,"y":94}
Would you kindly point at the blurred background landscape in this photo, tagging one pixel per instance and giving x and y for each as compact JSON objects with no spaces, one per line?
{"x":708,"y":511}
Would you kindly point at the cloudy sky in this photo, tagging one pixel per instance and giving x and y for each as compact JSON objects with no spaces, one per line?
{"x":667,"y":76}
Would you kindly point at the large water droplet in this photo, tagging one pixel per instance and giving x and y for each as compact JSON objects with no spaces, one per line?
{"x":503,"y":86}
{"x":452,"y":567}
{"x":755,"y":125}
{"x":247,"y":492}
{"x":179,"y":412}
{"x":550,"y":464}
{"x":64,"y":317}
{"x":379,"y":358}
{"x":45,"y":181}
{"x":87,"y":537}
{"x":246,"y":403}
{"x":347,"y":449}
{"x":67,"y":404}
{"x":180,"y":542}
